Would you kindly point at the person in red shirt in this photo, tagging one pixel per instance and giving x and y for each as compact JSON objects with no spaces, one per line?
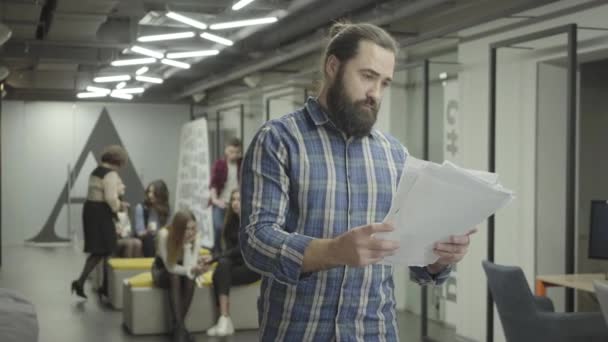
{"x":225,"y":177}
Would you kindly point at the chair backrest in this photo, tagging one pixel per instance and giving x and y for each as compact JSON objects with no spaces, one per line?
{"x":514,"y":300}
{"x":601,"y":290}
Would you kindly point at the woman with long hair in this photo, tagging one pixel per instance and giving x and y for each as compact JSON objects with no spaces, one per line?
{"x":98,"y":214}
{"x":231,"y":269}
{"x":177,"y":265}
{"x":151,"y":215}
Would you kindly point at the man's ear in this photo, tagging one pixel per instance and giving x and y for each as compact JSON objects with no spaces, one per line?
{"x":332,"y":66}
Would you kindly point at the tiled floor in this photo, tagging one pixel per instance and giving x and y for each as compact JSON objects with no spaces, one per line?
{"x":43,"y":276}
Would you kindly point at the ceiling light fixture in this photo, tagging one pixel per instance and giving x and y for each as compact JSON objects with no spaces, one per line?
{"x":107,"y":79}
{"x":142,"y":70}
{"x":138,"y":90}
{"x":241,"y":23}
{"x":217,"y":39}
{"x":135,"y":61}
{"x":119,"y":95}
{"x":149,"y":79}
{"x":187,"y":20}
{"x":188,"y":54}
{"x":90,"y":95}
{"x":93,"y":89}
{"x":121,"y":85}
{"x":147,"y":52}
{"x":175,"y":63}
{"x":241,"y":4}
{"x":168,"y":36}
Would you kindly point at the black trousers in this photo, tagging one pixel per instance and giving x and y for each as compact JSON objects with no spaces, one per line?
{"x":230,"y":273}
{"x":148,"y":245}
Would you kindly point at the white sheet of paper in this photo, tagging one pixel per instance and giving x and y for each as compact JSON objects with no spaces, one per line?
{"x":434,"y":202}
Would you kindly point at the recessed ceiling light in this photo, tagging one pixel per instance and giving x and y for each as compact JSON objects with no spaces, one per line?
{"x":242,"y":23}
{"x":187,"y":20}
{"x":217,"y":39}
{"x":135,"y":61}
{"x":175,"y":63}
{"x":149,"y":79}
{"x":188,"y":54}
{"x":117,"y":78}
{"x":147,"y":52}
{"x":168,"y":36}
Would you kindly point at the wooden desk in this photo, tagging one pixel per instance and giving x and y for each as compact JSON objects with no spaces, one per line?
{"x":583,"y":282}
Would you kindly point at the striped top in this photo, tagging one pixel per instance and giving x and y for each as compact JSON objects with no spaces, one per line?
{"x":304,"y":179}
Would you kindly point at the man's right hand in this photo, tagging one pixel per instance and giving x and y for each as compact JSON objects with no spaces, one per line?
{"x":359,"y":247}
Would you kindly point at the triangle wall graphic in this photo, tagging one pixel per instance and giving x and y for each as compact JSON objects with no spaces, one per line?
{"x":104,"y":133}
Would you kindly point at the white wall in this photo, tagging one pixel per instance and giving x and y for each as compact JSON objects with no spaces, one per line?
{"x":516,"y":123}
{"x":551,"y":145}
{"x":39,"y":140}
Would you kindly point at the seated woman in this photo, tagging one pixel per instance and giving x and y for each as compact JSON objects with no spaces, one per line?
{"x":151,"y":215}
{"x":176,"y":266}
{"x":231,"y":269}
{"x":128,"y":246}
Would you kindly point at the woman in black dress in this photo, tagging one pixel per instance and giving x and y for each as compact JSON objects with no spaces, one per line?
{"x":99,"y":211}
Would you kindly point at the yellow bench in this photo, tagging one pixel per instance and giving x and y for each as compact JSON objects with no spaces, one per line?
{"x":120,"y":269}
{"x":146,"y":308}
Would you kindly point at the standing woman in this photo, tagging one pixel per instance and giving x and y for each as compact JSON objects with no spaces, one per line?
{"x":231,"y":269}
{"x":177,"y":265}
{"x":99,"y":211}
{"x":152,"y":215}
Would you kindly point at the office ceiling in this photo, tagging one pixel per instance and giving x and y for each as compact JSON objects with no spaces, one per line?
{"x":58,"y":47}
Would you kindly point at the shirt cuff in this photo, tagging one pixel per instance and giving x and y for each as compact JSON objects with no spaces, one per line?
{"x":424,"y":277}
{"x":292,"y":257}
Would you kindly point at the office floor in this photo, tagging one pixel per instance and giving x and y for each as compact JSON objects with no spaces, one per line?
{"x":43,"y":275}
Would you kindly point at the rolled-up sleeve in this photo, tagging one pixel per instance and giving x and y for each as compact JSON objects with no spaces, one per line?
{"x":266,"y":245}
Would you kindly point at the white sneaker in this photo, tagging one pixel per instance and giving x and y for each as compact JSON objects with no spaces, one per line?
{"x":224,"y":327}
{"x":212,"y":331}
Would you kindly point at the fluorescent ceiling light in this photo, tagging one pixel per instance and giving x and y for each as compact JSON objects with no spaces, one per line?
{"x":135,"y":61}
{"x":142,"y":70}
{"x":241,"y":23}
{"x":187,"y":20}
{"x":121,"y":85}
{"x":216,"y":39}
{"x":99,"y":90}
{"x":130,"y":90}
{"x":147,"y":52}
{"x":117,"y":78}
{"x":168,"y":36}
{"x":175,"y":63}
{"x":149,"y":79}
{"x":241,"y":4}
{"x":91,"y":94}
{"x":120,"y":95}
{"x":188,"y":54}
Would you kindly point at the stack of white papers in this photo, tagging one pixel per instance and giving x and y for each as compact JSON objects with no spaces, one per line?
{"x":434,"y":202}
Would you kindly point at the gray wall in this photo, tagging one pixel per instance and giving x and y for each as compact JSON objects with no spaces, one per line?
{"x":593,"y":162}
{"x":39,"y":140}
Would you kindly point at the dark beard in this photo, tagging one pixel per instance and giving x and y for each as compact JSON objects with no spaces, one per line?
{"x":355,"y":119}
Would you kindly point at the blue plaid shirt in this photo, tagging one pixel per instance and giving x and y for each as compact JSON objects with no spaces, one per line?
{"x":303,"y":179}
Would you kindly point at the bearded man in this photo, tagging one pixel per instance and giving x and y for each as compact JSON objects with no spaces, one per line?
{"x":316,"y":185}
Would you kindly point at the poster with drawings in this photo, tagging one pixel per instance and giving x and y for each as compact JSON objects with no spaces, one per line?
{"x":192,"y":189}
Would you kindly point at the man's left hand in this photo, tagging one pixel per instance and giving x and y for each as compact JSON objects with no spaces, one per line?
{"x":451,"y":252}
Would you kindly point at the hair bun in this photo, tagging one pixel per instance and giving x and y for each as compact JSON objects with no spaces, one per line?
{"x":338,"y":27}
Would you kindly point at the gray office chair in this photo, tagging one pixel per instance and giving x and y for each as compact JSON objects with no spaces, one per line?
{"x":601,"y":290}
{"x":528,"y":318}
